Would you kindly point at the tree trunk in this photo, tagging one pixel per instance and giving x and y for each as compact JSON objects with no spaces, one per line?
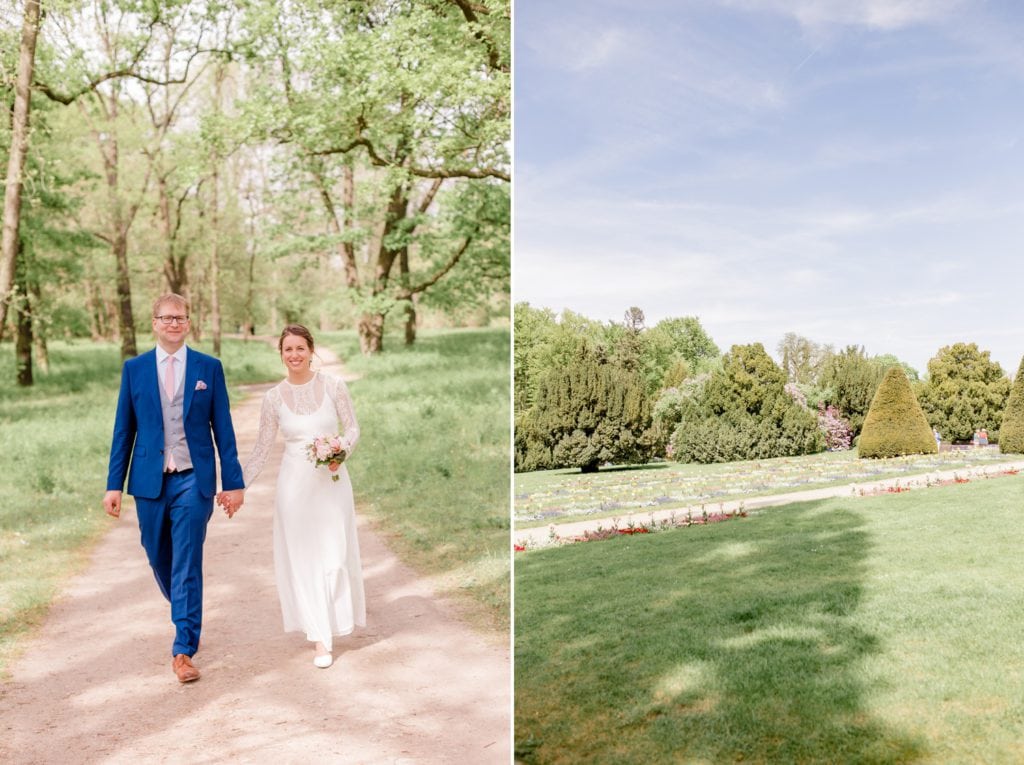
{"x":371,"y":333}
{"x":174,"y":269}
{"x":409,"y":309}
{"x":23,"y":323}
{"x":215,"y":327}
{"x":124,"y":294}
{"x":410,"y":322}
{"x":371,"y":324}
{"x":249,"y":323}
{"x":18,"y":153}
{"x":35,"y":297}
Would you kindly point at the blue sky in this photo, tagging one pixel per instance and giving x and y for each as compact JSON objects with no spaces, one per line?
{"x":849,"y":170}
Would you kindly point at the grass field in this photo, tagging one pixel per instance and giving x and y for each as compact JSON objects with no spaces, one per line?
{"x":439,"y":407}
{"x":560,"y":496}
{"x":862,"y":630}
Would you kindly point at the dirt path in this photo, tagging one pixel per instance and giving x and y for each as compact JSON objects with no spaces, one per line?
{"x":540,"y":536}
{"x":95,"y":686}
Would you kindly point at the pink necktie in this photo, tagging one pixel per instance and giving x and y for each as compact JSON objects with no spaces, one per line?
{"x":169,"y":387}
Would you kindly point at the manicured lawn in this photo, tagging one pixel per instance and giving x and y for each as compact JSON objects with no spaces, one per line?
{"x":861,"y":630}
{"x":558,"y":496}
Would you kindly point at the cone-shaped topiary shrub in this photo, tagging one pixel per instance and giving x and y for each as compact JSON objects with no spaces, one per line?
{"x":1011,"y":432}
{"x":895,"y":424}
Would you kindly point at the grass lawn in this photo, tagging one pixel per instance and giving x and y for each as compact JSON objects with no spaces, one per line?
{"x":560,"y":496}
{"x":859,"y":630}
{"x":432,"y":467}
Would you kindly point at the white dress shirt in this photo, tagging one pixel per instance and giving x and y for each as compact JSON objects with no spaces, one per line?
{"x":179,"y":365}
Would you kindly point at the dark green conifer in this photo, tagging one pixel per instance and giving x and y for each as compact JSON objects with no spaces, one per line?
{"x":1011,"y":432}
{"x":590,"y":412}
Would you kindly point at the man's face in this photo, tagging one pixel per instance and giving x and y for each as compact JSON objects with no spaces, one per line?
{"x":173,"y":333}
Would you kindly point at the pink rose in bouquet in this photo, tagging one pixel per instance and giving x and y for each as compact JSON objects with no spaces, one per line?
{"x":329,"y":451}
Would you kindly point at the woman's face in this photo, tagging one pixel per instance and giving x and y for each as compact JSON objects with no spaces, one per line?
{"x":295,"y":353}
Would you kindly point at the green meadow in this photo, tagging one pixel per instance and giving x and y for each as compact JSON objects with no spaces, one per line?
{"x":432,"y":468}
{"x":880,"y":629}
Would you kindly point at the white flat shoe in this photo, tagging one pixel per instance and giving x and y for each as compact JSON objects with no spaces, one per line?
{"x":323,"y":661}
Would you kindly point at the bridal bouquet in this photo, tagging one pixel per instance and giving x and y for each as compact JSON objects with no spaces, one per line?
{"x":327,"y":450}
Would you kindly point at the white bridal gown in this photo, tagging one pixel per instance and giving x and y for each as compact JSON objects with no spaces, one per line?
{"x":316,"y":552}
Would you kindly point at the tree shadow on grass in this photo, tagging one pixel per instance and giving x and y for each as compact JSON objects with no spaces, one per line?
{"x":736,"y":642}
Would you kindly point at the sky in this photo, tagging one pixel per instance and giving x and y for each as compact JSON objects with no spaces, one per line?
{"x":848,"y":170}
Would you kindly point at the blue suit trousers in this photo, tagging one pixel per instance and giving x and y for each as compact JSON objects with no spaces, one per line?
{"x":173,"y":528}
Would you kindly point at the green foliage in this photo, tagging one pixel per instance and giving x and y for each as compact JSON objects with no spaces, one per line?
{"x":965,"y":391}
{"x":895,"y":424}
{"x":587,"y":413}
{"x":1011,"y":431}
{"x":675,"y":348}
{"x":852,"y":379}
{"x":412,"y":101}
{"x":665,"y":355}
{"x":408,"y":96}
{"x":673,"y":406}
{"x":886,"y":360}
{"x":544,"y":342}
{"x":745,"y":413}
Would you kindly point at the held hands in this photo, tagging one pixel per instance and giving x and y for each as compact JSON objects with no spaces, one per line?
{"x":231,"y":500}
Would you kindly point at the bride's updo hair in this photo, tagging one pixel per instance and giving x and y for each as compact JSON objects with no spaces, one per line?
{"x":299,"y":331}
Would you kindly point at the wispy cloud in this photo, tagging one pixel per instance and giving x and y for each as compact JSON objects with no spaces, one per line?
{"x":880,"y":14}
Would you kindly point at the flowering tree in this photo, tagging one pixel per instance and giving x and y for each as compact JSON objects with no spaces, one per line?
{"x":836,"y":428}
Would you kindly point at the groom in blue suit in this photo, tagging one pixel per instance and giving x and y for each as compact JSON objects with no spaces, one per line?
{"x":172,"y":406}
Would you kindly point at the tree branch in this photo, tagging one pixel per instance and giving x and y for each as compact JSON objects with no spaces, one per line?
{"x":95,"y":82}
{"x":456,"y":256}
{"x":469,"y":12}
{"x":419,"y":172}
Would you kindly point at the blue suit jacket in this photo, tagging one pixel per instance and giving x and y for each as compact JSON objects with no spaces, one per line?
{"x":139,"y":427}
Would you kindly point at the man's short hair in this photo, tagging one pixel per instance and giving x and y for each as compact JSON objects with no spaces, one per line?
{"x":170,"y":297}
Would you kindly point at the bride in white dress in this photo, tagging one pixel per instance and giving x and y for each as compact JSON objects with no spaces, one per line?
{"x":316,"y":552}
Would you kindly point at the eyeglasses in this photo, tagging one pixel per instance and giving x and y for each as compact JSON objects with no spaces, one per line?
{"x":172,"y":319}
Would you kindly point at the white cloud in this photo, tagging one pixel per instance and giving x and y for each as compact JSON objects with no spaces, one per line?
{"x":576,"y":44}
{"x":591,"y":53}
{"x":879,"y":14}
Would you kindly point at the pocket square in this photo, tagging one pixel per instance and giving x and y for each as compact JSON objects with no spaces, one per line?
{"x":200,"y":385}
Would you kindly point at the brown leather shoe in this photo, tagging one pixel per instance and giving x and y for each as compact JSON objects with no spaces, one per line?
{"x":184,"y":669}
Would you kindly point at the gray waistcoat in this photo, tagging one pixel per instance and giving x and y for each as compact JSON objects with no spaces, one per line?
{"x":174,"y":428}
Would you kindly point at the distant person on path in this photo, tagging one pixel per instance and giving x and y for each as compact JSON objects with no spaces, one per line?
{"x":316,"y":550}
{"x":976,"y":439}
{"x":983,"y":437}
{"x":172,"y":405}
{"x":938,"y":439}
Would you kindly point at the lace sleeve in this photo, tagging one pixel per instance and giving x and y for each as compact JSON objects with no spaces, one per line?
{"x":269,"y":415}
{"x":346,"y":414}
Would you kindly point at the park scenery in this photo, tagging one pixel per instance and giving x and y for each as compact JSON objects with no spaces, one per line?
{"x":341,"y":165}
{"x":734,"y":556}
